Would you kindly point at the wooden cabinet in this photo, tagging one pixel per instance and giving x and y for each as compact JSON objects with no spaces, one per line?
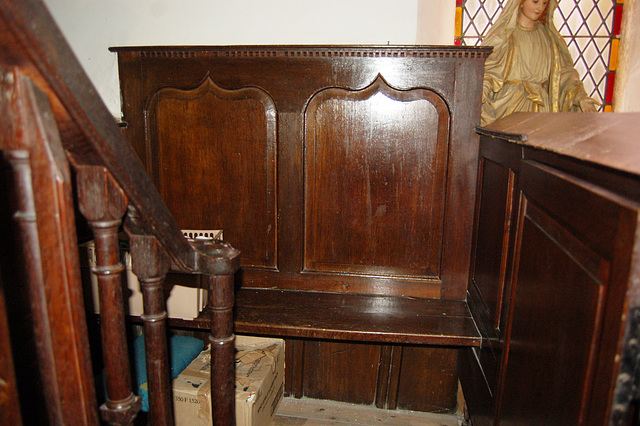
{"x":554,"y":279}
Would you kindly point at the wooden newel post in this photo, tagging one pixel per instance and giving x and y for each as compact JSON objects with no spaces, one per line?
{"x":103,"y":204}
{"x":150,"y":263}
{"x":47,"y":267}
{"x":219,"y":261}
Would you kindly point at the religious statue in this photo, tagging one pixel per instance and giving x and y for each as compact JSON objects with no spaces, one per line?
{"x":530,"y":68}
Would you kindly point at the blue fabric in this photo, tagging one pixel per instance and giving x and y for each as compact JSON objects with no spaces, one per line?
{"x":182,"y":350}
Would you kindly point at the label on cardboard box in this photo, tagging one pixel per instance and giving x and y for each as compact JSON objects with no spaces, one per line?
{"x":259,"y":384}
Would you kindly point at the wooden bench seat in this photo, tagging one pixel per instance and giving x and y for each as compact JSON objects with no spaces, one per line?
{"x":336,"y":171}
{"x":379,"y":319}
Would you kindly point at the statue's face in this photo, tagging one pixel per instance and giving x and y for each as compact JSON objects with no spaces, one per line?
{"x":530,"y":11}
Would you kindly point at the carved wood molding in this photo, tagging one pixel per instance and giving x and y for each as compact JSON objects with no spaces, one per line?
{"x":306,"y":51}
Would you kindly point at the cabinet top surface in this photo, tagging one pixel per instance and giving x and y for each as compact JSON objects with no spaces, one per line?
{"x":607,"y":139}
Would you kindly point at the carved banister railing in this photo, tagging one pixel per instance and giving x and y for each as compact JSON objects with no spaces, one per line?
{"x":52,"y":116}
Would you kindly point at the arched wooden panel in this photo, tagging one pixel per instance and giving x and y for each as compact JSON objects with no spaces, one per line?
{"x":375,"y":177}
{"x":214,"y":150}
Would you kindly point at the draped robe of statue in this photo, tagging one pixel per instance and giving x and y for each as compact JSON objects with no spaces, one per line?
{"x":529,"y":70}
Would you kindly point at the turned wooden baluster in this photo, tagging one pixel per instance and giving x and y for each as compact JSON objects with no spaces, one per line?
{"x":103,"y":204}
{"x":151,"y":264}
{"x":222,"y":338}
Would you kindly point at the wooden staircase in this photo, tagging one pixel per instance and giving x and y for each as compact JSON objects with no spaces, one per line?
{"x":51,"y":118}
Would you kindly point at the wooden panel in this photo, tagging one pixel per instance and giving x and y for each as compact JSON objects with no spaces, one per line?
{"x":375,"y":164}
{"x":388,"y":376}
{"x":570,"y":235}
{"x":558,"y":297}
{"x":341,"y":283}
{"x":492,"y":238}
{"x":567,"y":277}
{"x":425,"y":378}
{"x":428,"y":379}
{"x":586,"y":210}
{"x":462,"y":182}
{"x":477,"y":394}
{"x":425,"y":133}
{"x":488,"y":298}
{"x":341,"y":371}
{"x":222,"y":146}
{"x":9,"y":403}
{"x":293,"y":367}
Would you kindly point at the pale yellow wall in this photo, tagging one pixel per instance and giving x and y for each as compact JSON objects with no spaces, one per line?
{"x":626,"y":97}
{"x":436,"y":21}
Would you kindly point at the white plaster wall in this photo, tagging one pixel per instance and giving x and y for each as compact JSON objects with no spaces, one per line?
{"x":92,"y":26}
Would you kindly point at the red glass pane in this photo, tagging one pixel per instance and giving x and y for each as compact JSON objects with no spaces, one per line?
{"x":611,"y":79}
{"x":617,"y":20}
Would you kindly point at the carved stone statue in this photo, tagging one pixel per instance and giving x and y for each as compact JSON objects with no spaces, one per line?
{"x":530,"y":68}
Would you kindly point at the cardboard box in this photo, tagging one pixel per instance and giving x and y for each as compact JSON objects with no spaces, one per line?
{"x":259,"y":384}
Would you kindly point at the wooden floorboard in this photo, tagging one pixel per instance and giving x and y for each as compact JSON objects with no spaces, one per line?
{"x":311,"y":412}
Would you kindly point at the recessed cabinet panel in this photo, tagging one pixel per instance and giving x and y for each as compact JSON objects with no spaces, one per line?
{"x":329,"y":369}
{"x":422,"y":365}
{"x":490,"y":258}
{"x":558,"y":295}
{"x":375,"y":174}
{"x":492,"y":238}
{"x":212,"y":157}
{"x":566,"y":287}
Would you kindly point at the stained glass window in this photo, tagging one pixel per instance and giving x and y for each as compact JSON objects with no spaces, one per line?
{"x":591,"y":29}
